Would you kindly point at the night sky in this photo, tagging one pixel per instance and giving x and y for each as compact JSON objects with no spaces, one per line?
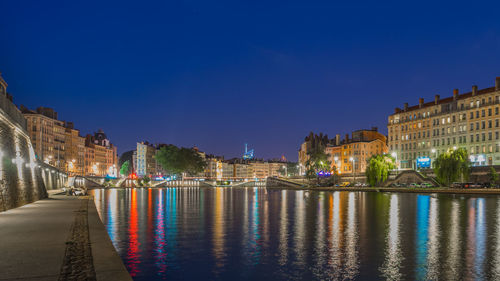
{"x":217,"y":75}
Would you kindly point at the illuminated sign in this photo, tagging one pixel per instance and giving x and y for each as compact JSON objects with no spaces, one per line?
{"x":477,"y":160}
{"x":423,"y":162}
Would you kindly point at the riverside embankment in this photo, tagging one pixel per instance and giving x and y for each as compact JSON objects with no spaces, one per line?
{"x":58,"y":238}
{"x":482,"y":191}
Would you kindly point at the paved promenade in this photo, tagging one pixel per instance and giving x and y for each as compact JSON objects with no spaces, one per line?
{"x":59,"y":238}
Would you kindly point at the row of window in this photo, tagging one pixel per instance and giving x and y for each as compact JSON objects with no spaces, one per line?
{"x":446,"y":107}
{"x":448,"y":141}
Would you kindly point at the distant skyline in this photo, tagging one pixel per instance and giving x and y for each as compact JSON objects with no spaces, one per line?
{"x":218,"y":75}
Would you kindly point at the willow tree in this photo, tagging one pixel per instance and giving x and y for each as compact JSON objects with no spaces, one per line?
{"x":378,"y":168}
{"x":452,"y":165}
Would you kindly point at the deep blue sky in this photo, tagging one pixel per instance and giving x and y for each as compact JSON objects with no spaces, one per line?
{"x":220,"y":74}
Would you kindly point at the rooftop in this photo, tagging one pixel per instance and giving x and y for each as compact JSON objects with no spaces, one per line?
{"x":456,"y":96}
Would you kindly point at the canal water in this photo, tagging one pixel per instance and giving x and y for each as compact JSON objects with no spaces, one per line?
{"x":263,"y":234}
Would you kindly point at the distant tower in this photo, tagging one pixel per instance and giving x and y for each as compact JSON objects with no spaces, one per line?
{"x":248,"y":153}
{"x":283,"y":158}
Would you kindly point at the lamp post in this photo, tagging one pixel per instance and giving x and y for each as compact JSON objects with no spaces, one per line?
{"x":395,"y":155}
{"x":336,"y":159}
{"x":353,"y":169}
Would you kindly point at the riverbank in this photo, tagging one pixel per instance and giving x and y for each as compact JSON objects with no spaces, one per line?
{"x":61,"y":237}
{"x":492,"y":191}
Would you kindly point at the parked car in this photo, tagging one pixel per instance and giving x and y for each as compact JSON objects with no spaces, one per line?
{"x":426,"y":185}
{"x":414,"y":185}
{"x":467,"y":185}
{"x":345,"y":184}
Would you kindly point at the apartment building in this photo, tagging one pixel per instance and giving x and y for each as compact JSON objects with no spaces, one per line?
{"x":347,"y":155}
{"x":59,"y":144}
{"x":425,"y":130}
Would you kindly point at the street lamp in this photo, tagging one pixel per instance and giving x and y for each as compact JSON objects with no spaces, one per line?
{"x":435,"y":152}
{"x":395,"y":155}
{"x":353,"y":169}
{"x":335,"y":160}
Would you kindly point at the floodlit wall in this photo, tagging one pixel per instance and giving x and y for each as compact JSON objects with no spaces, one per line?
{"x":22,"y":178}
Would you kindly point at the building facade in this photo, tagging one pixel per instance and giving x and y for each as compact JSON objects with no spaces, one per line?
{"x":469,"y":120}
{"x":348,"y":155}
{"x":59,"y":144}
{"x":145,"y":162}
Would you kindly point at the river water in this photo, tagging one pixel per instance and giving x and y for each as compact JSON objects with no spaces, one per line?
{"x":267,"y":234}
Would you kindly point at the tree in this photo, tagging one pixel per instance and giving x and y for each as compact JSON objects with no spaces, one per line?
{"x":317,"y":162}
{"x":292,"y":168}
{"x":334,"y":178}
{"x":282,"y":171}
{"x":493,"y":176}
{"x":452,"y":165}
{"x":125,"y":169}
{"x":180,"y":160}
{"x":146,"y":180}
{"x":378,"y":168}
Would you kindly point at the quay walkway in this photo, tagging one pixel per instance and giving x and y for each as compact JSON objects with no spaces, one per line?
{"x":58,"y":238}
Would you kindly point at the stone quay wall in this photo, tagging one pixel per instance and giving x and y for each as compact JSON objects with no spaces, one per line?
{"x":23,"y":179}
{"x":52,"y":177}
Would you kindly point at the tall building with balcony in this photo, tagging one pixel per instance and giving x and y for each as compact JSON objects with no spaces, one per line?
{"x":48,"y":135}
{"x":145,"y":163}
{"x":469,"y":120}
{"x":75,"y":150}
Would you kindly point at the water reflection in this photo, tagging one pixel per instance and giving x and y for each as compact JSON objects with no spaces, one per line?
{"x":391,"y":268}
{"x":454,"y":248}
{"x":496,"y":256}
{"x":283,"y":238}
{"x":422,"y":235}
{"x":433,"y":242}
{"x":481,"y":240}
{"x":351,"y":257}
{"x":218,"y":237}
{"x":259,"y":234}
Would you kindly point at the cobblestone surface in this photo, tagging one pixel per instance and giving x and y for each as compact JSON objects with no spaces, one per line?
{"x":78,"y":263}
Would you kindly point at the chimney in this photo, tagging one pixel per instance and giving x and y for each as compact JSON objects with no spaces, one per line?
{"x":397,"y":110}
{"x":346,"y":137}
{"x":455,"y":94}
{"x":436,"y":99}
{"x":406,"y":106}
{"x":474,"y":90}
{"x":420,"y":102}
{"x":375,"y":129}
{"x":337,"y":139}
{"x":497,"y":84}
